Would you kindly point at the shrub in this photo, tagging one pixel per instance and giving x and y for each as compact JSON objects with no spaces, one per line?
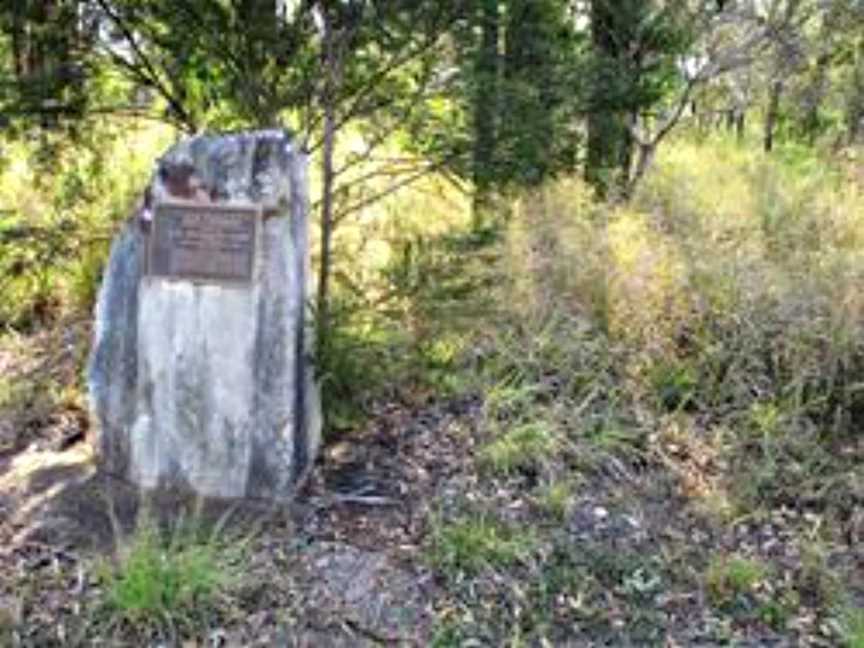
{"x":430,"y":292}
{"x":59,"y":203}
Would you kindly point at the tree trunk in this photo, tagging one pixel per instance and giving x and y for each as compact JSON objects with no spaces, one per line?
{"x":815,"y":96}
{"x":332,"y":78}
{"x":610,"y":146}
{"x":644,"y":158}
{"x":855,"y":103}
{"x":485,"y":108}
{"x":740,"y":124}
{"x":781,"y":70}
{"x":19,"y":45}
{"x":626,"y":146}
{"x":771,"y":115}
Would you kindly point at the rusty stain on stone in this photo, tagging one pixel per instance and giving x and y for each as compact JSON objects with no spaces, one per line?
{"x":181,"y":181}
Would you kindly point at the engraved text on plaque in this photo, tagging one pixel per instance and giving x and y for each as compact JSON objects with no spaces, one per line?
{"x":214,"y":243}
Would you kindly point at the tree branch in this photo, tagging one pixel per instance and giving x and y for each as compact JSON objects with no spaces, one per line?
{"x":396,"y":186}
{"x":149,"y":75}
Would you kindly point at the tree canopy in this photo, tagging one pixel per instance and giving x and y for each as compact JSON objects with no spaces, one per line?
{"x":496,"y":93}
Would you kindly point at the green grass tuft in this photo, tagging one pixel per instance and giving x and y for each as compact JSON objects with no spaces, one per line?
{"x":556,"y":498}
{"x":468,"y":545}
{"x":730,"y":577}
{"x":521,"y":447}
{"x":157,"y":581}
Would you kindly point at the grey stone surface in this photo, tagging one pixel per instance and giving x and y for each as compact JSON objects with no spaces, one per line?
{"x":201,"y":386}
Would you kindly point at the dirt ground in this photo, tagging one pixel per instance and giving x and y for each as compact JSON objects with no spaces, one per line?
{"x":335,"y":568}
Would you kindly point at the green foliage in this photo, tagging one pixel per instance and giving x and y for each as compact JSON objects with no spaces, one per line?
{"x":766,"y":418}
{"x":633,"y":65}
{"x":356,"y":360}
{"x":430,"y":276}
{"x":214,"y":64}
{"x":207,"y":64}
{"x":85,"y":276}
{"x":556,"y":498}
{"x":42,"y":80}
{"x":635,"y":48}
{"x":521,"y":447}
{"x":471,"y":544}
{"x":730,"y":577}
{"x":674,"y":384}
{"x":513,"y":95}
{"x":852,"y":623}
{"x":536,"y":139}
{"x":411,"y":339}
{"x":59,"y":203}
{"x":157,"y":582}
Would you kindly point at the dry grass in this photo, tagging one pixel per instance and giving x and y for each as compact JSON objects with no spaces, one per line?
{"x":732,"y":276}
{"x":694,"y":361}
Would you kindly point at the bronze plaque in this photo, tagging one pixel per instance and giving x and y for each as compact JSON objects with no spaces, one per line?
{"x":210,"y":243}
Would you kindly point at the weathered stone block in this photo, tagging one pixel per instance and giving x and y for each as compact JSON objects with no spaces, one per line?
{"x":207,"y":385}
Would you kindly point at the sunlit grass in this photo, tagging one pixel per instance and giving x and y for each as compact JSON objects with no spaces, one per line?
{"x":159,"y":582}
{"x":729,"y":577}
{"x":60,"y":202}
{"x":520,"y":447}
{"x":468,"y":545}
{"x":154,"y":580}
{"x":728,"y":290}
{"x":853,"y":627}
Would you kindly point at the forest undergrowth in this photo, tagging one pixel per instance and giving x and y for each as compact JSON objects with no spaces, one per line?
{"x":654,"y":412}
{"x":670,"y":442}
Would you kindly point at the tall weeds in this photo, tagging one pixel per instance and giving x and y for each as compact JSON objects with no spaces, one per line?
{"x":727,"y":292}
{"x":732,"y":275}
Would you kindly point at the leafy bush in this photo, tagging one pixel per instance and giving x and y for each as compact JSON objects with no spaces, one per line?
{"x":410,"y":337}
{"x":60,"y":200}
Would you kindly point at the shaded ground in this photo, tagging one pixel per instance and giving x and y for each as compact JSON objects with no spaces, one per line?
{"x":339,"y":568}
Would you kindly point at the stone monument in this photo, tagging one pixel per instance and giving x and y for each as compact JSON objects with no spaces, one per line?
{"x":200,"y":378}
